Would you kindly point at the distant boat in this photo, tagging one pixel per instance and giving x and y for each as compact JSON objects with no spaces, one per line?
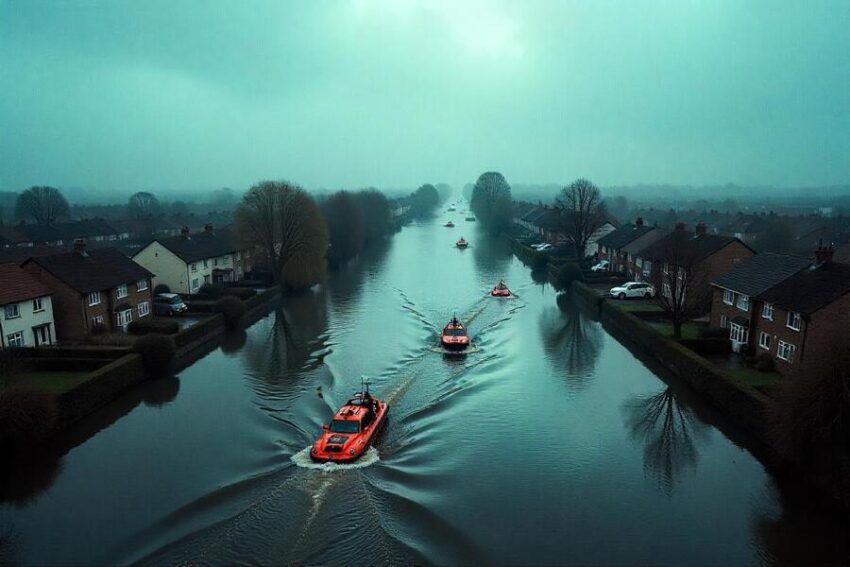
{"x":449,"y":224}
{"x":462,"y":243}
{"x":470,"y":219}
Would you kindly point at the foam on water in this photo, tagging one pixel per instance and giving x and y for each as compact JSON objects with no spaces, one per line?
{"x":303,"y":460}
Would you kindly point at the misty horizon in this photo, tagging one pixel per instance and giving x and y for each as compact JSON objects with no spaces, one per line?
{"x":191,"y":96}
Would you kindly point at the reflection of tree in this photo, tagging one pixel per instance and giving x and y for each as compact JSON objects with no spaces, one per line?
{"x":276,"y":354}
{"x":233,"y":340}
{"x":798,"y":531}
{"x":572,"y":342}
{"x":23,"y":479}
{"x":158,"y":392}
{"x":668,"y":429}
{"x":491,"y":255}
{"x":346,"y":283}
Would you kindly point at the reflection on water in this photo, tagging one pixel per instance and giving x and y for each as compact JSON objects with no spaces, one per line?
{"x":669,"y":431}
{"x":233,"y":340}
{"x":160,"y":391}
{"x":572,"y":341}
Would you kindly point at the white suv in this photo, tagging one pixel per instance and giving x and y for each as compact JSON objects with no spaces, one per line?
{"x":632,"y":289}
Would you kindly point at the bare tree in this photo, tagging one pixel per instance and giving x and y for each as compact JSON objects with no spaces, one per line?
{"x":44,"y":205}
{"x":143,"y":205}
{"x":582,"y":212}
{"x":283,"y":221}
{"x":681,"y":284}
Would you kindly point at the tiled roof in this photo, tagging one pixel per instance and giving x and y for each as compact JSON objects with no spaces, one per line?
{"x":200,"y":245}
{"x":620,"y":237}
{"x":761,"y":272}
{"x":809,"y":290}
{"x":18,"y":285}
{"x":98,"y":269}
{"x":695,"y":247}
{"x":549,"y":219}
{"x":65,"y":230}
{"x":20,"y":254}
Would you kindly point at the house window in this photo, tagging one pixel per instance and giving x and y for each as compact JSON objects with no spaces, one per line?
{"x":94,"y":298}
{"x":666,"y":268}
{"x":12,"y":311}
{"x":144,"y":308}
{"x":738,"y":333}
{"x":194,"y":267}
{"x":764,"y":340}
{"x":195,"y":283}
{"x":724,"y":321}
{"x":785,"y":351}
{"x":793,"y":321}
{"x":141,"y":285}
{"x":15,"y":339}
{"x":37,"y":305}
{"x":728,"y":297}
{"x":205,"y":263}
{"x":97,"y":321}
{"x":224,"y":261}
{"x":215,"y":262}
{"x":767,"y":311}
{"x":121,"y":291}
{"x":238,"y":256}
{"x":743,"y":302}
{"x":123,"y":318}
{"x":665,"y":289}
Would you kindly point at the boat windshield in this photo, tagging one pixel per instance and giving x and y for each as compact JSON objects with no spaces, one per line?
{"x":456,"y":332}
{"x":345,"y":426}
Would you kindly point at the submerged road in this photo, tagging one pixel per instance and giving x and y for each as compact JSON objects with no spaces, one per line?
{"x":549,"y":443}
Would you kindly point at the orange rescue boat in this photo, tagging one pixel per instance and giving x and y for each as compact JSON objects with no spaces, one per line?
{"x":462,"y":243}
{"x":449,"y":224}
{"x":454,"y":336}
{"x":352,"y":429}
{"x":501,"y":290}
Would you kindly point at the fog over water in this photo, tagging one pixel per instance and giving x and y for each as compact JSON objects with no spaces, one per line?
{"x":197,"y":94}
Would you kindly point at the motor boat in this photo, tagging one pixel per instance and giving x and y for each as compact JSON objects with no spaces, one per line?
{"x":461,"y":243}
{"x":454,"y":336}
{"x":501,"y":290}
{"x":352,"y":430}
{"x":449,"y":224}
{"x":470,"y":218}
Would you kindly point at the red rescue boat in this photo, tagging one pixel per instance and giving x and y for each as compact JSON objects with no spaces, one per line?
{"x":462,"y":243}
{"x":454,"y":336}
{"x":352,"y":429}
{"x":501,"y":290}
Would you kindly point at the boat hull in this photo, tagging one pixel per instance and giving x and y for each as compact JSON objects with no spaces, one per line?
{"x":321,"y":455}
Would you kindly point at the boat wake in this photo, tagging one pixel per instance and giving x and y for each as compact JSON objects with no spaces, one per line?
{"x":302,"y":459}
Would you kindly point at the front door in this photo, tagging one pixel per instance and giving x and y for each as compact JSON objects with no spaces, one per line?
{"x":42,"y":335}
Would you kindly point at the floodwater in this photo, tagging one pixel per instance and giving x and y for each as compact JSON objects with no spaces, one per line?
{"x":549,"y":443}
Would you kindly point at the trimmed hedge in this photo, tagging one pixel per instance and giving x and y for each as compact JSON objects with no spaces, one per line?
{"x":28,"y":415}
{"x":157,"y":353}
{"x":568,"y":273}
{"x":233,"y":311}
{"x":146,"y":326}
{"x":161,"y":288}
{"x":198,"y":330}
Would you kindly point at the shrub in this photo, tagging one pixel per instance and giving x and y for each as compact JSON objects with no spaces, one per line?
{"x":764,"y":362}
{"x":242,"y":293}
{"x":27,"y":416}
{"x":161,"y":288}
{"x":713,"y":333}
{"x":232,"y":309}
{"x":569,"y":273}
{"x":213,"y":290}
{"x":146,"y":326}
{"x":157,"y":352}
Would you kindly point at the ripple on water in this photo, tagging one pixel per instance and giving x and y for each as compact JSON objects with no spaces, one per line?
{"x":303,"y":460}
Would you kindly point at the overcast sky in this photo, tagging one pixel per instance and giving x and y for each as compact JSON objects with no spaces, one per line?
{"x":199,"y":94}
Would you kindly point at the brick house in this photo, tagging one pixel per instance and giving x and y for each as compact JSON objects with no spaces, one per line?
{"x":796,"y":310}
{"x":26,"y":309}
{"x":93,"y":288}
{"x":637,"y":236}
{"x":708,"y":255}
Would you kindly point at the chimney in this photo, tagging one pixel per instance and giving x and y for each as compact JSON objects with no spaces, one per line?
{"x":208,"y":228}
{"x":639,"y":222}
{"x":80,"y":246}
{"x":823,"y":254}
{"x":701,"y":228}
{"x":184,"y":232}
{"x":680,"y":226}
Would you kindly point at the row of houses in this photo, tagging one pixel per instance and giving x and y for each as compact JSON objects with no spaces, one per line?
{"x":50,"y":294}
{"x":795,"y":309}
{"x":546,"y":222}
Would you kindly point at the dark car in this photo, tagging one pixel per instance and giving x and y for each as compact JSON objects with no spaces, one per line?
{"x":168,"y":304}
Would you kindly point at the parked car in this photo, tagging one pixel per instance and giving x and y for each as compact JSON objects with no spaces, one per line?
{"x":632,"y":289}
{"x":168,"y":304}
{"x":601,"y":266}
{"x":543,"y":247}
